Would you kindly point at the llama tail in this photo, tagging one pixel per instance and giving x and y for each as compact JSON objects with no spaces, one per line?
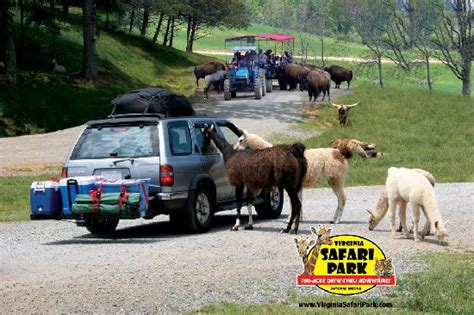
{"x":297,"y":150}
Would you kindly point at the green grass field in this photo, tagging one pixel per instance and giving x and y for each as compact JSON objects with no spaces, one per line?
{"x":433,"y":291}
{"x":414,"y":128}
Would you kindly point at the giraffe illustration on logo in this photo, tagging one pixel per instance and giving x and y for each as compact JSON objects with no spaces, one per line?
{"x":308,"y":247}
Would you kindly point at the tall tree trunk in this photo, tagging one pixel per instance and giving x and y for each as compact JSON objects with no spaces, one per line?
{"x":146,"y":16}
{"x":379,"y":63}
{"x":132,"y":20}
{"x":10,"y":60}
{"x":192,"y":35}
{"x":22,"y":29}
{"x":89,"y":62}
{"x":466,"y":77}
{"x":158,"y":28}
{"x":65,"y":7}
{"x":107,"y":19}
{"x":188,"y":31}
{"x":171,"y":33}
{"x":321,"y":38}
{"x":167,"y":32}
{"x":428,"y":72}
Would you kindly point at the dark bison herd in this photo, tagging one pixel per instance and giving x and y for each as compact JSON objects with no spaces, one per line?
{"x":290,"y":76}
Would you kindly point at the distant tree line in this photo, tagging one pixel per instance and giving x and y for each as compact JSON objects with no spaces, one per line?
{"x":409,"y":32}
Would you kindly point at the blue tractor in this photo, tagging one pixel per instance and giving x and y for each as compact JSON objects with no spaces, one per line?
{"x":245,"y":74}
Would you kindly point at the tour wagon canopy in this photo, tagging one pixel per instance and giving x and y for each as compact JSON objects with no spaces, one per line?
{"x":258,"y":38}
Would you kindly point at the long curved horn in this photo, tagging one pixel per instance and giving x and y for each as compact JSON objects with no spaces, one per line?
{"x":335,"y":105}
{"x":353,"y":105}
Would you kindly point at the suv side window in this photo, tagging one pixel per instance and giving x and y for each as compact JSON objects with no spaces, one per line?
{"x":230,"y":132}
{"x":179,"y":138}
{"x":206,"y":147}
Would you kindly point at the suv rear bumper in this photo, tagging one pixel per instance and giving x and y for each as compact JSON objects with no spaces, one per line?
{"x":172,"y":195}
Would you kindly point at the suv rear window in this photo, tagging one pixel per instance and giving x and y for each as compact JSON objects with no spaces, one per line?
{"x":117,"y":141}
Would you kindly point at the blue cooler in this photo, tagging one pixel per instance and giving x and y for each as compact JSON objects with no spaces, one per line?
{"x":45,"y":198}
{"x":72,"y":186}
{"x":132,"y":186}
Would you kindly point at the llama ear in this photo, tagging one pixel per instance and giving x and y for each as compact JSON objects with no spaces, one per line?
{"x":212,"y":127}
{"x":445,"y":222}
{"x":245,"y":132}
{"x":436,"y":224}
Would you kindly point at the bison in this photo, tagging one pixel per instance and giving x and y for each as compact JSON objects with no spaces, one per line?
{"x":289,"y":75}
{"x":200,"y":71}
{"x":339,"y":74}
{"x":315,"y":82}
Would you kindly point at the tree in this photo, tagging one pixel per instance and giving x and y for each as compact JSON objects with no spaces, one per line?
{"x":452,"y":35}
{"x":89,"y":61}
{"x":202,"y":14}
{"x":7,"y":45}
{"x":369,"y":19}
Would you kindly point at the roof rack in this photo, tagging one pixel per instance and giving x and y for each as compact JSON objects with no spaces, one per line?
{"x":128,"y":115}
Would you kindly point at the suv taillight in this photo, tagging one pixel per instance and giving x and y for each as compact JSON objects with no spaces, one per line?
{"x":166,"y":175}
{"x":64,"y":172}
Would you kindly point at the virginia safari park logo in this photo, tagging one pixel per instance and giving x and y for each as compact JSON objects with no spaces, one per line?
{"x":342,"y":264}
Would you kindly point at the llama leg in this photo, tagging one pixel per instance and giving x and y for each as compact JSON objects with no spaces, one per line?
{"x":295,"y":211}
{"x":300,"y":197}
{"x":239,"y":192}
{"x":416,"y":219}
{"x":403,"y":217}
{"x":337,"y":187}
{"x":249,"y":226}
{"x":392,"y":207}
{"x":426,"y":228}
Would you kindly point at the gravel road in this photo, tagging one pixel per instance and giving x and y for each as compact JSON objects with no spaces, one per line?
{"x":56,"y":267}
{"x":146,"y":267}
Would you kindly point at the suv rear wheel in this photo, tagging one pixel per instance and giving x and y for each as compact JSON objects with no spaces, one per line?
{"x":198,"y":214}
{"x":273,"y":204}
{"x":103,"y":227}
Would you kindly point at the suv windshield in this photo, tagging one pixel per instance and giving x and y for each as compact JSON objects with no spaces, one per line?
{"x":117,"y":141}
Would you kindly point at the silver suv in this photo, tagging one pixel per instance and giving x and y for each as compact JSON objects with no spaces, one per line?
{"x":187,"y":173}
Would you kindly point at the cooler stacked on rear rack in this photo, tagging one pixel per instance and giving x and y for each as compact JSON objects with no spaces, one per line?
{"x":45,"y":198}
{"x":89,"y":195}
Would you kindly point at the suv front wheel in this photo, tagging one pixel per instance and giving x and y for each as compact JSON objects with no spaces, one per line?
{"x":198,"y":214}
{"x":273,"y":204}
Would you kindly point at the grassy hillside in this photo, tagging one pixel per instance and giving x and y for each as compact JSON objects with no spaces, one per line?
{"x":214,"y":41}
{"x":414,"y":128}
{"x":44,"y":101}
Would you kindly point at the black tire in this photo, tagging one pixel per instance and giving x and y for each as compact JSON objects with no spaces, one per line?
{"x":103,"y":226}
{"x":227,"y":92}
{"x":258,"y":89}
{"x":269,"y":85}
{"x":273,"y":204}
{"x":192,"y":219}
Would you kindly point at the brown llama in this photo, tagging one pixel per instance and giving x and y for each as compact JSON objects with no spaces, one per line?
{"x":261,"y":170}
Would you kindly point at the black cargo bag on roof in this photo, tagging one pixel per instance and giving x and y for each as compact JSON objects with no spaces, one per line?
{"x":152,"y":100}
